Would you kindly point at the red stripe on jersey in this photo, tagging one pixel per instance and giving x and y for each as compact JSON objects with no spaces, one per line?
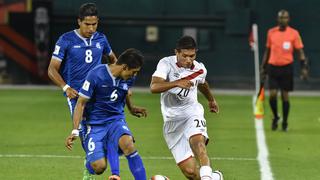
{"x":194,"y":75}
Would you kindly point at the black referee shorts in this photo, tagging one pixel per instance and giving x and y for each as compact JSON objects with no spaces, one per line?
{"x":280,"y":77}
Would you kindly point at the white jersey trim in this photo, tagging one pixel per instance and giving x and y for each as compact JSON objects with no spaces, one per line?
{"x":84,"y":39}
{"x":85,"y":96}
{"x":113,"y":78}
{"x":56,"y":58}
{"x":70,"y":105}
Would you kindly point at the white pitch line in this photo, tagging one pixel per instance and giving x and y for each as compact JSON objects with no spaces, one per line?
{"x":147,"y":157}
{"x":37,"y":156}
{"x":265,"y":169}
{"x":264,"y":164}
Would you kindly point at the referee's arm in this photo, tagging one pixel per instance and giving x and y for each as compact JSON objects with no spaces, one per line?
{"x":265,"y":58}
{"x":301,"y":55}
{"x":304,"y":74}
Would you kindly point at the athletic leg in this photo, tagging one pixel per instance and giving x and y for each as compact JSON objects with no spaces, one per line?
{"x":198,"y":146}
{"x":113,"y":158}
{"x":189,"y":168}
{"x":97,"y":167}
{"x":93,"y":144}
{"x":274,"y":108}
{"x":285,"y":109}
{"x":134,"y":160}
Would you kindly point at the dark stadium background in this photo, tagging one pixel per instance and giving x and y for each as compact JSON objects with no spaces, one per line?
{"x":222,"y":28}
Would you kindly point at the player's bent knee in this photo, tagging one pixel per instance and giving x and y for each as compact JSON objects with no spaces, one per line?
{"x":99,"y":169}
{"x":190,"y":173}
{"x":128,"y":148}
{"x":99,"y":166}
{"x":126,"y":145}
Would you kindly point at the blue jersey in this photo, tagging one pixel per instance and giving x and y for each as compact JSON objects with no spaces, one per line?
{"x":107,"y":95}
{"x":79,"y":55}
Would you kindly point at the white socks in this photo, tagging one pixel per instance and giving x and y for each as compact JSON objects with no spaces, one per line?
{"x":206,"y":173}
{"x":217,"y":175}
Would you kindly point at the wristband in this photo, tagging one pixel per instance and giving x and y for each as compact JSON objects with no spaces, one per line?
{"x":65,"y":87}
{"x":75,"y":132}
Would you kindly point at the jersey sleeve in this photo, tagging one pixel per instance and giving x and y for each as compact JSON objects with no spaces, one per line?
{"x":204,"y":74}
{"x":60,"y":49}
{"x":297,"y":43}
{"x":89,"y":85}
{"x":106,"y":48}
{"x":162,"y":70}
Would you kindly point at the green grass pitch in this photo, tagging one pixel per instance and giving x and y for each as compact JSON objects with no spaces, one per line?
{"x":35,"y":123}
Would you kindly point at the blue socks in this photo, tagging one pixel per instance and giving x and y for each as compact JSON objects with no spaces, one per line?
{"x":136,"y":166}
{"x":113,"y":158}
{"x":134,"y":160}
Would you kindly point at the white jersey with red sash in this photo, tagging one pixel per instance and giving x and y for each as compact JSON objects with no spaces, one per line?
{"x":178,"y":103}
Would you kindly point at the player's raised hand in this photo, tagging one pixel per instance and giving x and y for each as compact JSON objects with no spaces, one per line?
{"x":69,"y":141}
{"x":213,"y":106}
{"x":71,"y":93}
{"x":184,"y":83}
{"x":138,"y":111}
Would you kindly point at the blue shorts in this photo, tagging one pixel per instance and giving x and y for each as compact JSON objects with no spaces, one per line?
{"x":96,"y":139}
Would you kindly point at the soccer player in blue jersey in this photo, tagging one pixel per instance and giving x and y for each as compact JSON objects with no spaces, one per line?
{"x":102,"y":98}
{"x":76,"y":53}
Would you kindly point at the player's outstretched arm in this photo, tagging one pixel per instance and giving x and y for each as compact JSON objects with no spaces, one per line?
{"x":78,"y":111}
{"x":77,"y":116}
{"x":134,"y":110}
{"x":205,"y":90}
{"x":159,"y":85}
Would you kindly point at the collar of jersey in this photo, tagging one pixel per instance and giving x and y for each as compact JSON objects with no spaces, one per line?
{"x":192,"y":66}
{"x":84,"y":39}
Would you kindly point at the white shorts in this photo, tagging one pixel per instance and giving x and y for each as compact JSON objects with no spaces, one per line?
{"x":178,"y":133}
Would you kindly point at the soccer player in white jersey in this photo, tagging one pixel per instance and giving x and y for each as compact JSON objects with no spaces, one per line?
{"x":76,"y":53}
{"x":177,"y":78}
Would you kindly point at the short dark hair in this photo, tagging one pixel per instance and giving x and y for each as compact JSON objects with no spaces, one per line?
{"x":186,"y":42}
{"x":283,"y":11}
{"x":87,"y":9}
{"x":131,"y":57}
